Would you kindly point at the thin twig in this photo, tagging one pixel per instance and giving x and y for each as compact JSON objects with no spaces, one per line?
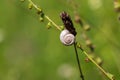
{"x":50,"y":20}
{"x":53,"y":23}
{"x":78,"y":61}
{"x":101,"y":69}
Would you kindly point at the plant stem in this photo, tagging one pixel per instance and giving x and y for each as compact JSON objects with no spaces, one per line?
{"x":78,"y":61}
{"x":50,"y":20}
{"x":101,"y":69}
{"x":53,"y":23}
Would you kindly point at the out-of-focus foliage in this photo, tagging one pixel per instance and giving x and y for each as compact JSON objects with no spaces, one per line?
{"x":28,"y":51}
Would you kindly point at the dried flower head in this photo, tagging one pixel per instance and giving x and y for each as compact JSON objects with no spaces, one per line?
{"x":68,"y":23}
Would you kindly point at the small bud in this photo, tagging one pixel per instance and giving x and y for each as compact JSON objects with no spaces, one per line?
{"x":87,"y":60}
{"x":30,"y":6}
{"x":41,"y":19}
{"x":92,"y":56}
{"x":111,"y":76}
{"x":88,"y":42}
{"x":62,"y":27}
{"x":86,"y":27}
{"x":42,"y":14}
{"x":77,"y":19}
{"x":92,"y":47}
{"x":49,"y":25}
{"x":99,"y":61}
{"x":39,"y":11}
{"x":117,"y":6}
{"x":78,"y":45}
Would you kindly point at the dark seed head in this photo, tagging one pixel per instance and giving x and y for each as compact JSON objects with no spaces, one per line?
{"x":68,"y":22}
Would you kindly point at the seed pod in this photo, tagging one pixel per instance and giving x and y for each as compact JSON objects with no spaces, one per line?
{"x":39,"y":11}
{"x":30,"y":6}
{"x":68,"y":23}
{"x":49,"y":25}
{"x":62,"y":27}
{"x":86,"y":27}
{"x":41,"y":19}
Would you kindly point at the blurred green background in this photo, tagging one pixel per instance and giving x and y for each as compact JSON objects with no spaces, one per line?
{"x":28,"y":51}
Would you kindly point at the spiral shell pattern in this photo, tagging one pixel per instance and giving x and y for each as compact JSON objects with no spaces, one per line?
{"x":67,"y":38}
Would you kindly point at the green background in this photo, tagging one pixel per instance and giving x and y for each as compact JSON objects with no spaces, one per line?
{"x":28,"y":51}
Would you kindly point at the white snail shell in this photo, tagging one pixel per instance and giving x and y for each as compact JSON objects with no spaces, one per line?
{"x":67,"y":38}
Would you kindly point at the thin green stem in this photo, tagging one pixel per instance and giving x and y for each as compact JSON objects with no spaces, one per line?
{"x":53,"y":23}
{"x":35,"y":6}
{"x":78,"y":61}
{"x":50,"y":20}
{"x":101,"y":69}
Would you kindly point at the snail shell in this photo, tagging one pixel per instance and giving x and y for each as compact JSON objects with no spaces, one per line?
{"x":67,"y":38}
